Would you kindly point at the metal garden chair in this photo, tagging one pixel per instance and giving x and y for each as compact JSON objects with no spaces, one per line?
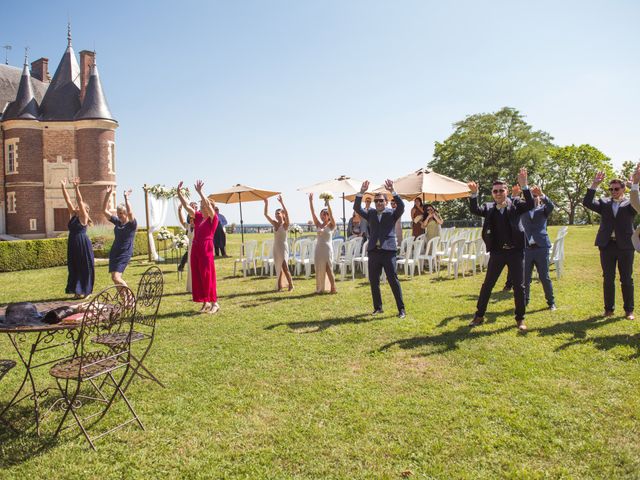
{"x":110,"y":313}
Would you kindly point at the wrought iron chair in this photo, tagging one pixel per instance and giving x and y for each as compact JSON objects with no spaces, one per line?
{"x":5,"y":366}
{"x":148,"y":300}
{"x":111,"y":312}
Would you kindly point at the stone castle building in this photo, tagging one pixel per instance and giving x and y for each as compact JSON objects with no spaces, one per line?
{"x":52,"y":129}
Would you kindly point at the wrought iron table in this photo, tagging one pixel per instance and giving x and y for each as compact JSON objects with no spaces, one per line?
{"x":29,"y":341}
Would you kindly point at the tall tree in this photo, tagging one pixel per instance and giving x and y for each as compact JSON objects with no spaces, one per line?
{"x":627,"y":169}
{"x":488,"y":146}
{"x":570,"y":172}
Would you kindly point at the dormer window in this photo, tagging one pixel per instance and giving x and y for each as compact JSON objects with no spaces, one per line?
{"x":11,"y":156}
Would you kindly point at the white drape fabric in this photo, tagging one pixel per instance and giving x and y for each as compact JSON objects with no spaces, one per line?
{"x":158,"y":209}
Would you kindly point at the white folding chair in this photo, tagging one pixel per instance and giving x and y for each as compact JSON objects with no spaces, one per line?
{"x":453,"y":257}
{"x":362,"y":260}
{"x":346,"y":261}
{"x":429,"y":254}
{"x":266,"y":257}
{"x":247,"y":259}
{"x":411,"y":261}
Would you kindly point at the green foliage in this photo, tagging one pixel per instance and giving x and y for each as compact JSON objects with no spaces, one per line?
{"x":569,"y":173}
{"x":28,"y":254}
{"x":626,"y":170}
{"x":490,"y":146}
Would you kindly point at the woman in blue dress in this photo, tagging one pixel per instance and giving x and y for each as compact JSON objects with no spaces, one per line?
{"x":125,"y":233}
{"x":79,"y":248}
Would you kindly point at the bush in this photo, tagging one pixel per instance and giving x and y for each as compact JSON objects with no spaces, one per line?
{"x":52,"y":252}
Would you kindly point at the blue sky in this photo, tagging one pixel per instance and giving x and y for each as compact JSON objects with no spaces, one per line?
{"x":283,"y":94}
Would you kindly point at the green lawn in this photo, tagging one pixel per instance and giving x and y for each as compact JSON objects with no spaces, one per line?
{"x":281,"y":385}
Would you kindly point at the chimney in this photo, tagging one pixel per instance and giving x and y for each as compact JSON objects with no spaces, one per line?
{"x":40,"y":69}
{"x":87,"y":60}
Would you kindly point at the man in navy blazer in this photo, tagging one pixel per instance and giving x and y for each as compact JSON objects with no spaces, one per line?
{"x":383,"y":245}
{"x":536,"y":252}
{"x":614,"y":241}
{"x":505,"y":242}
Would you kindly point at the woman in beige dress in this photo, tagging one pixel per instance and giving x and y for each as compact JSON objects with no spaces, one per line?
{"x":188,"y":226}
{"x":323,"y":257}
{"x":280,"y":244}
{"x":431,"y":223}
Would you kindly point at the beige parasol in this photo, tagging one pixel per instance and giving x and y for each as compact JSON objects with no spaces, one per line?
{"x":430,"y":186}
{"x":241,"y":193}
{"x":342,"y":185}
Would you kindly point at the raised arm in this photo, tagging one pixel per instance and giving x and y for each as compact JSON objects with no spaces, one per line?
{"x":83,"y":215}
{"x":589,"y":200}
{"x":316,"y":222}
{"x":187,"y":208}
{"x":528,"y":203}
{"x":285,"y":212}
{"x":67,"y":199}
{"x":357,"y":204}
{"x":397,"y":213}
{"x":105,"y":202}
{"x":332,"y":221}
{"x":634,"y":195}
{"x":127,"y":205}
{"x":437,"y":218}
{"x":273,"y":223}
{"x":548,"y":204}
{"x":181,"y":219}
{"x":207,"y":205}
{"x":473,"y":200}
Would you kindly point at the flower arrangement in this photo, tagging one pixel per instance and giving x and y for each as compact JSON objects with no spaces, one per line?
{"x":180,"y":241}
{"x":160,"y":191}
{"x":164,"y":234}
{"x":295,"y":228}
{"x":326,"y":196}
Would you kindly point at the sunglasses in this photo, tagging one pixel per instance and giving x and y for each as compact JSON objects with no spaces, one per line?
{"x":499,"y":190}
{"x":379,"y":200}
{"x":614,"y":189}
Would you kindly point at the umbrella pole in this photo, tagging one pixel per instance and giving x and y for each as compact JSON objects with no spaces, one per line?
{"x":344,"y":218}
{"x":241,"y":228}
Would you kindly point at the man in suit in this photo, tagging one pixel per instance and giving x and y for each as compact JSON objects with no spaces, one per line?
{"x":536,"y":251}
{"x":382,"y":244}
{"x":614,"y":240}
{"x":505,"y":241}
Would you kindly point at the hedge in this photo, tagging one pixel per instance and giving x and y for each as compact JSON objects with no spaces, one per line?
{"x":52,"y":252}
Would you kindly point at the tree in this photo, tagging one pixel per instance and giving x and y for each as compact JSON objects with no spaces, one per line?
{"x":570,"y":172}
{"x":488,"y":146}
{"x":627,"y":169}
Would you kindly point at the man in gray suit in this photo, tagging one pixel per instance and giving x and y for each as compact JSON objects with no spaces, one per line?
{"x":536,"y":252}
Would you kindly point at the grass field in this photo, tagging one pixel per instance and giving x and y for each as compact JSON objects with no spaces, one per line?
{"x":294,"y":385}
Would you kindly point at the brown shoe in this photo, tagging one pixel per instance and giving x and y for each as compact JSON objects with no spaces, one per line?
{"x":608,"y":313}
{"x":522,"y":328}
{"x":630,"y":316}
{"x":476,"y":321}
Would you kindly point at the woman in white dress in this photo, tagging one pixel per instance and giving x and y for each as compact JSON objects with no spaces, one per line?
{"x":188,"y":226}
{"x":323,"y":257}
{"x":280,"y":244}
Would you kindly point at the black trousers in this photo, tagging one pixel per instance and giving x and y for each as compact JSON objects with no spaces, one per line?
{"x":609,"y":257}
{"x":220,"y":241}
{"x":514,"y":261}
{"x":378,"y":260}
{"x":183,"y":261}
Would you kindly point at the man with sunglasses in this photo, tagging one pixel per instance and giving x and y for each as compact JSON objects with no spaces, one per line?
{"x":505,"y":241}
{"x":614,"y":240}
{"x":382,"y":245}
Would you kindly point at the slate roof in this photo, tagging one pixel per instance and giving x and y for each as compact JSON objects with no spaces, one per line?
{"x":25,"y":106}
{"x":9,"y":82}
{"x":94,"y":104}
{"x":62,"y":100}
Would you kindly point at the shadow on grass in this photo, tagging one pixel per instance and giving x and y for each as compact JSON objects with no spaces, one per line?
{"x":320,"y":325}
{"x":608,"y":342}
{"x":577,"y":328}
{"x":21,"y":446}
{"x":276,"y":298}
{"x":446,"y":341}
{"x":490,"y":317}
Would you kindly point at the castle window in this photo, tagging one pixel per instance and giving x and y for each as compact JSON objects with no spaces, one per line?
{"x":11,"y":202}
{"x":33,"y":224}
{"x":11,"y":154}
{"x":111,"y":156}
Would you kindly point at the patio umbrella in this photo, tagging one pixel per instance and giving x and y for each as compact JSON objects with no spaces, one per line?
{"x":238,"y":194}
{"x":343,"y":185}
{"x":430,"y":186}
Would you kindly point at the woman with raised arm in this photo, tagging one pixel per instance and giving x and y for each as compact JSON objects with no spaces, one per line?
{"x":125,"y":226}
{"x":323,"y":258}
{"x":189,"y":227}
{"x":280,"y":244}
{"x":79,"y":249}
{"x":203,"y":268}
{"x":431,"y":222}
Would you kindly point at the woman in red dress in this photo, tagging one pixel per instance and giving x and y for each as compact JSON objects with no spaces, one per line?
{"x":203,"y":268}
